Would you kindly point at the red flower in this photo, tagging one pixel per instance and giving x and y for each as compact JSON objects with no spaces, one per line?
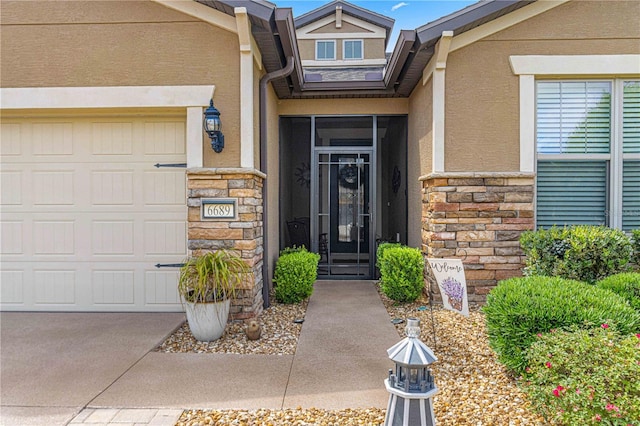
{"x":598,"y":417}
{"x":638,"y":335}
{"x":548,"y":364}
{"x":558,"y":390}
{"x":611,"y":407}
{"x":605,"y":326}
{"x":539,"y":334}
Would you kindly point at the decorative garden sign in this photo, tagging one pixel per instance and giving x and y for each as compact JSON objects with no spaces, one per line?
{"x":449,"y":275}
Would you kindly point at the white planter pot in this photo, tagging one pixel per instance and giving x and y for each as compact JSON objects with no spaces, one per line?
{"x":207,"y":321}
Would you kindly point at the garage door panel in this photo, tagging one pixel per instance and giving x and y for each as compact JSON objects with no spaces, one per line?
{"x":160,"y":287}
{"x":12,"y":237}
{"x":164,"y":138}
{"x":11,"y":187}
{"x":12,"y":287}
{"x":164,"y":188}
{"x":53,"y":187}
{"x":113,"y":287}
{"x":53,"y":286}
{"x":11,"y":139}
{"x":86,"y":216}
{"x":111,"y":138}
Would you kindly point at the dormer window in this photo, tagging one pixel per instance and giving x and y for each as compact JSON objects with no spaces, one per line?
{"x":325,"y":50}
{"x":352,"y":49}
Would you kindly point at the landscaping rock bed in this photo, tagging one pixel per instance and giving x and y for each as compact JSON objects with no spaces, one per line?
{"x":474,"y":388}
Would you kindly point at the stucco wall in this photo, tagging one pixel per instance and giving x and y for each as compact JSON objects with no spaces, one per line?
{"x":419,"y":157}
{"x":124,"y":43}
{"x":482,"y":93}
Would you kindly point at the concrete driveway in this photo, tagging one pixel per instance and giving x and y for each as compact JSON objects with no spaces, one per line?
{"x":102,"y":367}
{"x":55,"y":364}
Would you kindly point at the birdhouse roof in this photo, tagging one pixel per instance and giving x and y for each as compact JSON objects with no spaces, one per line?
{"x":411,"y":351}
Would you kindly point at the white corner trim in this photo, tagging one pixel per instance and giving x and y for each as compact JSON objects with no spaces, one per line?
{"x":202,"y":12}
{"x":439,"y":58}
{"x":194,"y":137}
{"x":504,"y":22}
{"x":527,"y":123}
{"x":106,"y":97}
{"x":438,"y":119}
{"x":246,"y":88}
{"x":247,"y":42}
{"x":575,"y":64}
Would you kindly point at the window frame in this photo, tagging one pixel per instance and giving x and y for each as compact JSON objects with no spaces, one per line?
{"x":333,"y":42}
{"x":614,"y":159}
{"x":344,"y":49}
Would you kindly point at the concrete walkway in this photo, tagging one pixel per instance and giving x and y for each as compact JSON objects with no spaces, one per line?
{"x":88,"y":369}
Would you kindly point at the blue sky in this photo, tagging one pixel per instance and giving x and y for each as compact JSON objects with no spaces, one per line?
{"x":408,"y":14}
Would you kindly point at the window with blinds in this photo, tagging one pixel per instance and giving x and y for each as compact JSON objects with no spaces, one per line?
{"x":588,"y":168}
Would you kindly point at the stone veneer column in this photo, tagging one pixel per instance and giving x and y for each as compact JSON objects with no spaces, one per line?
{"x":243,"y":235}
{"x":478,"y":217}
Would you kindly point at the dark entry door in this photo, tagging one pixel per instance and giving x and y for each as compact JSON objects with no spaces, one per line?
{"x":342,"y":211}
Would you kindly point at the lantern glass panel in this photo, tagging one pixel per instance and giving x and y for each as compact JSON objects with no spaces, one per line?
{"x":212,"y":124}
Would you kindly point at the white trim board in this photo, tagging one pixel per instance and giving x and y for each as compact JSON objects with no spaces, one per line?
{"x":528,"y":67}
{"x":106,"y":97}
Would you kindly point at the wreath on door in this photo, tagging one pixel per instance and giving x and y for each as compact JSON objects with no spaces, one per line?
{"x":348,"y":176}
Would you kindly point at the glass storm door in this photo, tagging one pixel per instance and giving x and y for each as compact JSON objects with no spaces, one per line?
{"x":342,"y":212}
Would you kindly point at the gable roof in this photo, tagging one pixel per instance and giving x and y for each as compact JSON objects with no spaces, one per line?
{"x":274,"y":28}
{"x":349,"y":9}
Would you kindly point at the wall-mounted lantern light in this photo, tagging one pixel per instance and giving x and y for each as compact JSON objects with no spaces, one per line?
{"x":213,"y":126}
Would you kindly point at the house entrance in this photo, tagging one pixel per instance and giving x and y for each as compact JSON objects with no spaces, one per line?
{"x":341,"y":214}
{"x":343,"y":189}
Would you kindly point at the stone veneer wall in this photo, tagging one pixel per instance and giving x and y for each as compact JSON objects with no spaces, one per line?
{"x":478,"y":217}
{"x":243,"y":235}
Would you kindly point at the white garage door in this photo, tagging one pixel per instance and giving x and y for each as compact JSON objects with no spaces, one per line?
{"x":86,"y":216}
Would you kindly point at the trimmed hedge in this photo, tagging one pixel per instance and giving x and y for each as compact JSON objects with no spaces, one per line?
{"x":296,"y":271}
{"x":584,"y":253}
{"x":635,"y":236}
{"x":382,"y":249}
{"x":626,"y":286}
{"x":519,"y":308}
{"x":401,"y":272}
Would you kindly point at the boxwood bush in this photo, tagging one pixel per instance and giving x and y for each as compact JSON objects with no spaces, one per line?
{"x":635,"y":236}
{"x":296,"y":271}
{"x":585,"y":377}
{"x":382,"y":248}
{"x":401,"y":273}
{"x":585,"y":253}
{"x":520,"y":308}
{"x":625,"y":285}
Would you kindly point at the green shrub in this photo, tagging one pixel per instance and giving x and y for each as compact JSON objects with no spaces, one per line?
{"x":585,"y":253}
{"x":635,"y":236}
{"x":382,"y":248}
{"x":402,"y":273}
{"x":585,"y":377}
{"x":296,"y":271}
{"x":519,"y":308}
{"x":625,"y":285}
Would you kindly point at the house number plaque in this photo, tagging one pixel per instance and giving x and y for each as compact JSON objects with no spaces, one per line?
{"x":219,"y":208}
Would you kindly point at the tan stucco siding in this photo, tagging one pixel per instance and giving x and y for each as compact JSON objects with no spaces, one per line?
{"x":374,"y":48}
{"x":482,"y":93}
{"x":419,"y":155}
{"x":307,"y":49}
{"x":343,"y":106}
{"x":86,"y":44}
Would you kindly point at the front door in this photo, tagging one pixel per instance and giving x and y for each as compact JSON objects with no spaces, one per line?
{"x":342,"y":217}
